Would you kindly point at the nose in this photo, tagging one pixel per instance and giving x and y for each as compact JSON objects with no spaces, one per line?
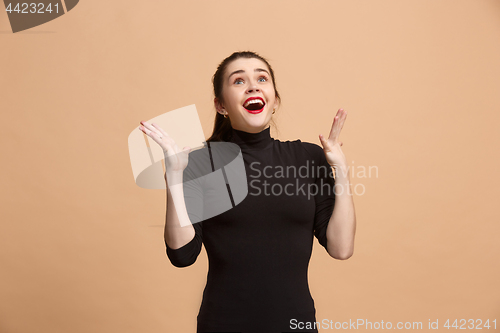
{"x":252,"y":87}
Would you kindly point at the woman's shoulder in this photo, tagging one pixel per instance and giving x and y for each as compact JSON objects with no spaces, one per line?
{"x":312,"y":149}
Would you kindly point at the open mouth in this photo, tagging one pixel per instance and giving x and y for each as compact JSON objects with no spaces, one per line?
{"x":254,"y":104}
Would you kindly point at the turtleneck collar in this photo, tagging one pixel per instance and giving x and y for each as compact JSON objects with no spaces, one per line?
{"x":252,"y":141}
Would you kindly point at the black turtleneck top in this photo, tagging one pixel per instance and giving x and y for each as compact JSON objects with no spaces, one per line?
{"x":259,"y":251}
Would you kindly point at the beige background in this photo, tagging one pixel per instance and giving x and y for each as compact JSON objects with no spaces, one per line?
{"x":81,"y":246}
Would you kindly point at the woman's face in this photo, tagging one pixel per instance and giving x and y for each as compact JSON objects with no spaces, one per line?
{"x":246,"y":79}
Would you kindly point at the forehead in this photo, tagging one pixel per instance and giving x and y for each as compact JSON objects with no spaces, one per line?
{"x":246,"y":64}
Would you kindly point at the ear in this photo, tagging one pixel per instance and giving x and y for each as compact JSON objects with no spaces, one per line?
{"x":276,"y":103}
{"x":218,"y":106}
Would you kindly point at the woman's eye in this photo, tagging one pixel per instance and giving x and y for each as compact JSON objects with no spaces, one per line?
{"x":262,"y":77}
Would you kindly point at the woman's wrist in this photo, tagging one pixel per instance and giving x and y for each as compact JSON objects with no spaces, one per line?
{"x":341,"y":170}
{"x":173,"y":177}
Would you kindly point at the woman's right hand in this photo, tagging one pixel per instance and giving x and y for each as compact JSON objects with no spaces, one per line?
{"x":176,"y":159}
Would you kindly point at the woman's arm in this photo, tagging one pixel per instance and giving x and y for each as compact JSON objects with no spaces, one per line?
{"x":178,"y":228}
{"x":342,"y":225}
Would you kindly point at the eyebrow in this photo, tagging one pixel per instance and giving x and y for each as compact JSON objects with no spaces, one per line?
{"x":242,"y":71}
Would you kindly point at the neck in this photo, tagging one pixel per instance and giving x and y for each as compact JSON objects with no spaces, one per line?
{"x":252,"y":141}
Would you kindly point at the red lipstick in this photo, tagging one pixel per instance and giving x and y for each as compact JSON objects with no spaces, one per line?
{"x":251,"y":99}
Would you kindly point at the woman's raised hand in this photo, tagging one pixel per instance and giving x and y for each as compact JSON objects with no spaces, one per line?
{"x":331,"y":146}
{"x":176,"y":159}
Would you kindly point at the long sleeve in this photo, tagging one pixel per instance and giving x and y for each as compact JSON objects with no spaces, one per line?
{"x":325,"y":197}
{"x":193,"y":198}
{"x":187,"y":254}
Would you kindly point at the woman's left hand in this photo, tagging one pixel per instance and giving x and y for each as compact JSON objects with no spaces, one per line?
{"x":331,"y":146}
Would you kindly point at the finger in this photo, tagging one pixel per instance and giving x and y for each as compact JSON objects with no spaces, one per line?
{"x":150,"y":128}
{"x":333,"y":124}
{"x":336,"y":125}
{"x":162,"y":131}
{"x":344,"y":116}
{"x":157,"y":135}
{"x":334,"y":131}
{"x":339,"y":123}
{"x":326,"y":145}
{"x":149,"y":133}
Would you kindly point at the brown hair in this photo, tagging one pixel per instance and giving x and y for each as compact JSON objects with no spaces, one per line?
{"x":222,"y":126}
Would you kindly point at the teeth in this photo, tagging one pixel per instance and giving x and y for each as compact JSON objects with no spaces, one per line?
{"x":253,"y":101}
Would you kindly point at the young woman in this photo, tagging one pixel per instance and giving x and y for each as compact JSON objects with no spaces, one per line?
{"x":259,"y":250}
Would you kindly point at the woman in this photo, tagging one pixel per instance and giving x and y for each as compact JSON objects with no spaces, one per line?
{"x":259,"y":250}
